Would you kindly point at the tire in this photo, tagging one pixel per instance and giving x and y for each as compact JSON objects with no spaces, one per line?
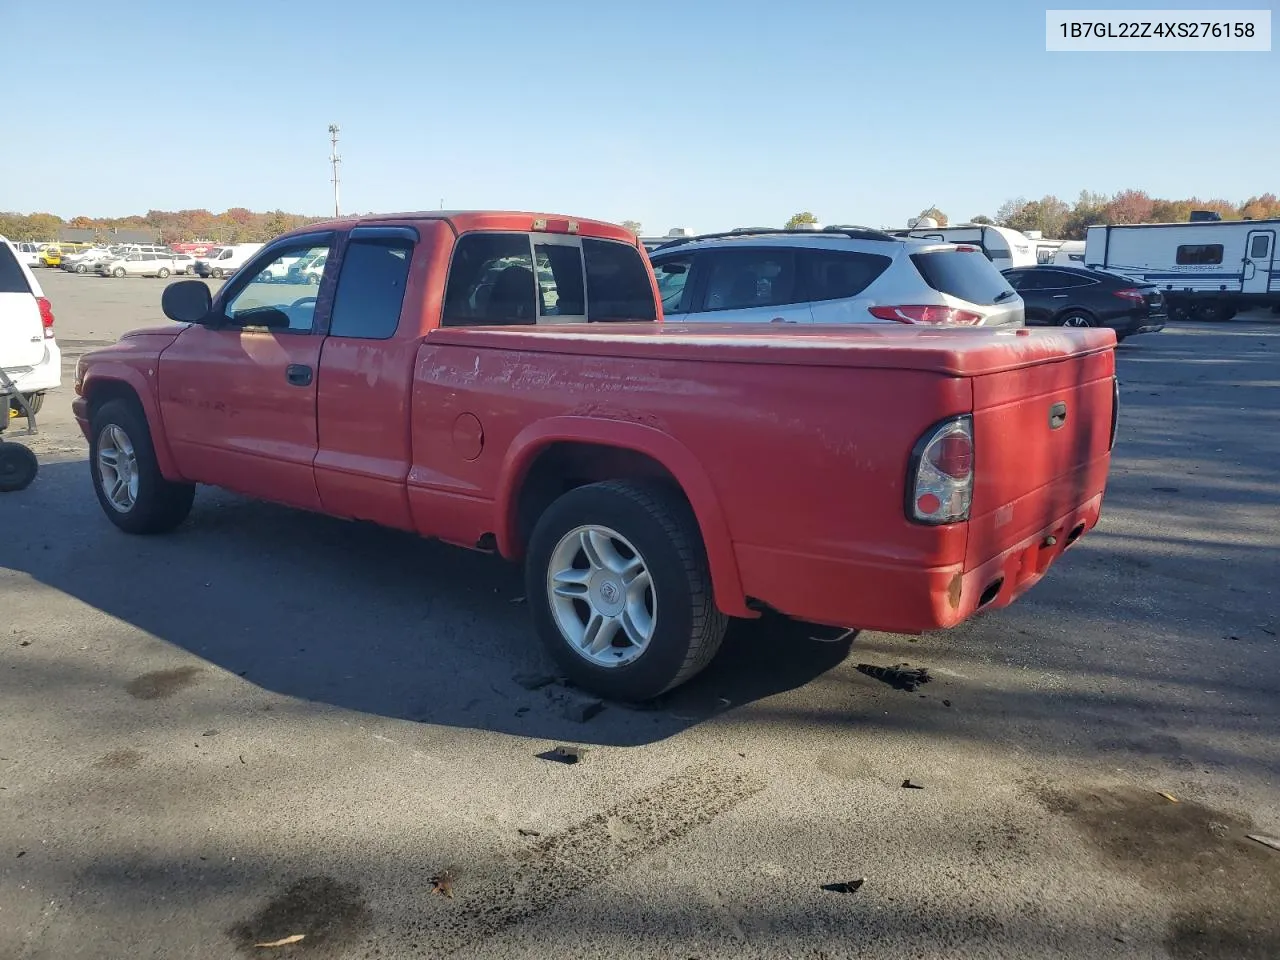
{"x":1213,"y":312}
{"x":654,"y":526}
{"x":216,"y":273}
{"x":34,"y":400}
{"x":81,"y":268}
{"x":118,"y":272}
{"x":1076,"y":318}
{"x":157,"y":505}
{"x":163,"y":273}
{"x":18,"y":467}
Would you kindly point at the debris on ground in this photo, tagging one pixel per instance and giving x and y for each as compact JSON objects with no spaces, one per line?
{"x":898,"y":677}
{"x":845,"y":886}
{"x":1168,"y":796}
{"x":562,"y":754}
{"x":442,"y":883}
{"x":908,"y":785}
{"x":580,"y":710}
{"x":1271,"y":842}
{"x":210,"y":733}
{"x":534,"y":681}
{"x":24,"y":643}
{"x":946,"y":703}
{"x":283,"y":941}
{"x":527,"y":833}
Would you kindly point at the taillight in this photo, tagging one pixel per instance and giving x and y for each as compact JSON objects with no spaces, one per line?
{"x":46,"y":316}
{"x":927,"y":313}
{"x":940,"y":478}
{"x":1136,"y":295}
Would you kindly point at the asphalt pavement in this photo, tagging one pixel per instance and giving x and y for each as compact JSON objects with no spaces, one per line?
{"x":272,"y":725}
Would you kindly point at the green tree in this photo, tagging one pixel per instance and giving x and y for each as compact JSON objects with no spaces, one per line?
{"x":632,"y":225}
{"x":981,"y":218}
{"x":801,"y":219}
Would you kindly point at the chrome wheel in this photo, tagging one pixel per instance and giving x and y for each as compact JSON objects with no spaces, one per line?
{"x":601,"y":596}
{"x":117,"y":468}
{"x":1075,"y":320}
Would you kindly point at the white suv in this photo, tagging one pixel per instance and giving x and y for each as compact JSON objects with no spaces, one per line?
{"x":834,"y":275}
{"x":28,"y":352}
{"x":139,"y":265}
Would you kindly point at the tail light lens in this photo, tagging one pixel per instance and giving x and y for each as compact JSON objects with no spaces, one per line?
{"x":940,"y":479}
{"x":927,"y":313}
{"x":1136,"y":296}
{"x":46,"y":316}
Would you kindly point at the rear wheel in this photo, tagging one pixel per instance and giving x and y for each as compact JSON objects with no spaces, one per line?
{"x":18,"y":467}
{"x":34,"y":400}
{"x":1214,"y":312}
{"x":81,"y":268}
{"x":163,"y":273}
{"x":133,"y":493}
{"x":1077,"y":318}
{"x":620,"y":590}
{"x":216,"y":273}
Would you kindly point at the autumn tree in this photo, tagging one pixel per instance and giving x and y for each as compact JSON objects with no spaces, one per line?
{"x":632,"y":225}
{"x":801,"y":219}
{"x":1260,"y":208}
{"x":982,"y":218}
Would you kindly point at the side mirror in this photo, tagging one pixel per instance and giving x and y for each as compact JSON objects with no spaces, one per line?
{"x":673,"y":268}
{"x":187,"y":301}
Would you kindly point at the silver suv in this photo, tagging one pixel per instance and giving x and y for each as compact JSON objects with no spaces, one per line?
{"x":834,"y":275}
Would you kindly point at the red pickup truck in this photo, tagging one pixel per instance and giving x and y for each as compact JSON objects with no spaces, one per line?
{"x":503,"y":382}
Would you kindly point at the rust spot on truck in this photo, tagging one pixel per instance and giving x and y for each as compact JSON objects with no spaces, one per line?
{"x":953,"y":590}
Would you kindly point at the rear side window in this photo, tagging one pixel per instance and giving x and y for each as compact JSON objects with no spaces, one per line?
{"x":12,"y":279}
{"x":1198,"y":254}
{"x":755,"y":277}
{"x":618,"y":285}
{"x":961,"y":274}
{"x":491,"y":281}
{"x":560,"y":290}
{"x":371,"y":287}
{"x":835,"y":275}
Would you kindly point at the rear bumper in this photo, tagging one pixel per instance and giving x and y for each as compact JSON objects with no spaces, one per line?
{"x":899,"y":599}
{"x":46,"y":375}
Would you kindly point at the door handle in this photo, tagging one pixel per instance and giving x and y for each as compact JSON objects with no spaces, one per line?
{"x":781,"y":320}
{"x":298,"y":374}
{"x":1060,"y":296}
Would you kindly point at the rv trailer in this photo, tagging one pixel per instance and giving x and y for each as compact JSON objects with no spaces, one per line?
{"x":1206,"y":269}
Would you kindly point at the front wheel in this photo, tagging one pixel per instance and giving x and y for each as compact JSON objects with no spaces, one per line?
{"x":620,"y":590}
{"x":1076,"y":318}
{"x":81,"y":268}
{"x":133,"y":492}
{"x":216,"y":273}
{"x":163,"y":273}
{"x":118,"y":272}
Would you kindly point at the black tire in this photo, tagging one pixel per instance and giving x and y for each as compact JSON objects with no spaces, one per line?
{"x":1077,"y":318}
{"x":34,"y":400}
{"x":160,"y":505}
{"x":216,"y":273}
{"x":18,"y":467}
{"x":118,"y":272}
{"x":1214,"y":312}
{"x":81,"y":268}
{"x":687,"y":629}
{"x":163,"y":273}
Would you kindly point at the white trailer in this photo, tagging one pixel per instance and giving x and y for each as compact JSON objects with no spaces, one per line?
{"x":1208,"y":269}
{"x":1005,"y":248}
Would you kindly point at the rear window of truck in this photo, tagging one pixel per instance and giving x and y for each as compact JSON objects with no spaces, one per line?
{"x":12,"y":279}
{"x":959,"y":273}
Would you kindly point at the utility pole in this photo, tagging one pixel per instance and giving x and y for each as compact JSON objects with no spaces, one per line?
{"x":335,"y":160}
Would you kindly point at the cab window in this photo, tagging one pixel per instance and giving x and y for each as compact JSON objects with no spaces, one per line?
{"x":371,"y":285}
{"x":491,"y":281}
{"x":274,"y":303}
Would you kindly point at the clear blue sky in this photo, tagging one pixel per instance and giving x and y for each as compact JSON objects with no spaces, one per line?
{"x":701,"y":113}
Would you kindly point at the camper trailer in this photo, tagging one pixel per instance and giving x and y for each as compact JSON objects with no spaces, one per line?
{"x":1207,"y":269}
{"x":1069,"y":254}
{"x":1004,"y":247}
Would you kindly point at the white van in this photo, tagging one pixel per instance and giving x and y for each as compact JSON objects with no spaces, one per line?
{"x":1070,"y":254}
{"x":224,"y":261}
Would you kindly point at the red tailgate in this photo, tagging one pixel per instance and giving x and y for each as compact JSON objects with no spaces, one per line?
{"x":1042,"y":436}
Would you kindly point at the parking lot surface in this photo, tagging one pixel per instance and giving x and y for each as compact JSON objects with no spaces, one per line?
{"x":271,"y":724}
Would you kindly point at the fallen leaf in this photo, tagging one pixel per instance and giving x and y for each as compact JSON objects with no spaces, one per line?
{"x":442,"y":883}
{"x":284,"y":941}
{"x":1169,"y":796}
{"x":846,"y":886}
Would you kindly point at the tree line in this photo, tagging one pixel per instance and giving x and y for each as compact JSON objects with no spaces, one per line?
{"x":1053,"y":217}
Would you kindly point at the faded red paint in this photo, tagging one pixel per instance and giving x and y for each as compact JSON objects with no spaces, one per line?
{"x":791,"y":446}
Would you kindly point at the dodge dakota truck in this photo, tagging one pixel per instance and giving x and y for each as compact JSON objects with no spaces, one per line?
{"x":504,"y":382}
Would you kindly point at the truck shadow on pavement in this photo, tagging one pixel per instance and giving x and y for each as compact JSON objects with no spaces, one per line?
{"x":366,"y":619}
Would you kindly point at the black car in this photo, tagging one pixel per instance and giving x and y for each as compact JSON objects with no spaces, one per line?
{"x":1076,"y":297}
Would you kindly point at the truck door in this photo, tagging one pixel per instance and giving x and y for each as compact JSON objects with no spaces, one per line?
{"x":366,"y":377}
{"x":238,"y":399}
{"x":1259,"y":250}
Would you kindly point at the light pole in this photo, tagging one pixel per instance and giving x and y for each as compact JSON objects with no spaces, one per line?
{"x":335,"y":160}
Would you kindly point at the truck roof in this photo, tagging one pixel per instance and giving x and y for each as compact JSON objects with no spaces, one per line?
{"x":464,"y":221}
{"x":955,"y":351}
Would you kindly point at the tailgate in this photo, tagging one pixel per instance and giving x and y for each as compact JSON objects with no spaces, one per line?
{"x":1042,"y":439}
{"x":21,"y":330}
